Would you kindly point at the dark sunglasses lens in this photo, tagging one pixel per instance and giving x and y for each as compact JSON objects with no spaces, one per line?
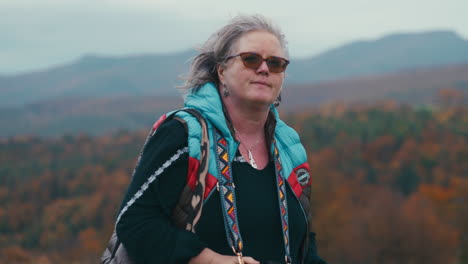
{"x":276,"y":64}
{"x":252,"y":60}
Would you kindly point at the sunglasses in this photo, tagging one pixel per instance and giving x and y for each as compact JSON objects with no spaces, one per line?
{"x":254,"y":60}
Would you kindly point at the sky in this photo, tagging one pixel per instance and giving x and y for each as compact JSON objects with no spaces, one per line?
{"x":39,"y":34}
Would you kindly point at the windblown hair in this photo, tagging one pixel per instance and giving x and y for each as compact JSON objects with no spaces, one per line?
{"x":221,"y":45}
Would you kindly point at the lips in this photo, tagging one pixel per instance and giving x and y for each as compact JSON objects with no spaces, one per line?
{"x":262,"y":83}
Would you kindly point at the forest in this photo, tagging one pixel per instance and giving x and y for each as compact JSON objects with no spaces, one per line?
{"x":389,"y":185}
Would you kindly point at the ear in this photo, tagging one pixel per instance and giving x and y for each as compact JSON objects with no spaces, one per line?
{"x":220,"y":69}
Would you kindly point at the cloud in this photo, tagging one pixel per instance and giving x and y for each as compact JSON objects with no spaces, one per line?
{"x":35,"y":34}
{"x":34,"y":38}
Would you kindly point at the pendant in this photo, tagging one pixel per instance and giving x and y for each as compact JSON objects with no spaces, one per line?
{"x":251,"y":160}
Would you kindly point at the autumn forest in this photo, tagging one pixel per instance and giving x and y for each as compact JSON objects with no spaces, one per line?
{"x":390,"y":185}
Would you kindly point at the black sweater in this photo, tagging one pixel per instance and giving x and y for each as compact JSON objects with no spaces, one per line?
{"x":145,"y":227}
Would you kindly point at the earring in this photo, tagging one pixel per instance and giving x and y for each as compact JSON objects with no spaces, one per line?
{"x":225,"y":90}
{"x":277,"y":101}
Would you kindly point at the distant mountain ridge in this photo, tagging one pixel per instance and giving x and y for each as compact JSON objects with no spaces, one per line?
{"x":101,"y":115}
{"x":396,"y":52}
{"x":95,"y":76}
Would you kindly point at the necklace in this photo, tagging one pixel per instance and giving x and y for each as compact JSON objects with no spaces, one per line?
{"x":249,"y":150}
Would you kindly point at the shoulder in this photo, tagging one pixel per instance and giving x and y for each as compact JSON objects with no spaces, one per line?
{"x":173,"y":128}
{"x":292,"y":151}
{"x":282,"y":131}
{"x":286,"y":133}
{"x":169,"y":137}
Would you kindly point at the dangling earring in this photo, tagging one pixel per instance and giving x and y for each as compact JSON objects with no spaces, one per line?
{"x":277,"y":101}
{"x":225,"y":90}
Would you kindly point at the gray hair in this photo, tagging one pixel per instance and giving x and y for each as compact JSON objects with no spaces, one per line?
{"x":221,"y":44}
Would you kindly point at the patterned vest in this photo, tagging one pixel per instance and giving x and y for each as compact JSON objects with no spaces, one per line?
{"x":202,"y":168}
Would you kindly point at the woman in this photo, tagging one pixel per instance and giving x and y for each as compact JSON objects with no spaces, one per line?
{"x":253,"y":160}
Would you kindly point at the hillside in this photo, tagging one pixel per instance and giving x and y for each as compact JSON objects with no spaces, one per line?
{"x":74,"y":115}
{"x":396,"y":52}
{"x":85,"y":115}
{"x":392,"y":178}
{"x":414,"y":87}
{"x":96,"y":76}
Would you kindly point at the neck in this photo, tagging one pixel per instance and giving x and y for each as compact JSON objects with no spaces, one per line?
{"x":247,"y":120}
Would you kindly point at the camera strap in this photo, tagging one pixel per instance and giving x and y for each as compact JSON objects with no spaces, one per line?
{"x":226,"y":188}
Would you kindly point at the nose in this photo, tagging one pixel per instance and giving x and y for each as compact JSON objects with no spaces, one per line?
{"x":263,"y":68}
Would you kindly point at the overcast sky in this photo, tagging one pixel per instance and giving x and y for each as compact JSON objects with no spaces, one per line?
{"x":36,"y":34}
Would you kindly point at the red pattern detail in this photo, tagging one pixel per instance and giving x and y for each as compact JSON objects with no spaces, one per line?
{"x":159,"y":122}
{"x":292,"y":179}
{"x":192,"y":174}
{"x":223,"y":141}
{"x":210,"y":182}
{"x":232,"y":215}
{"x":227,"y":175}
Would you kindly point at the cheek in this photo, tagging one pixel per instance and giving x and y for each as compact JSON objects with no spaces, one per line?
{"x":242,"y":79}
{"x":236,"y":76}
{"x":279,"y":85}
{"x":279,"y":81}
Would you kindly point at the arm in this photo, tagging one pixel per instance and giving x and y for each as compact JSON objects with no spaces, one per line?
{"x":145,"y":226}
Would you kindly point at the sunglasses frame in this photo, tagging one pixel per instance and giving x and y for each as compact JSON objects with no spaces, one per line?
{"x":267,"y":60}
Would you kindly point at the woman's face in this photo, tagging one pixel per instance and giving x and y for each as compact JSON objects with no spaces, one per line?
{"x":249,"y":86}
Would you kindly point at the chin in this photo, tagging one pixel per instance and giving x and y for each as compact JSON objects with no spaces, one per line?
{"x":262,"y":101}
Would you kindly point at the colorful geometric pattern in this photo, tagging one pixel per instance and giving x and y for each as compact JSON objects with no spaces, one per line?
{"x":227,"y":194}
{"x":228,"y":198}
{"x":282,"y":202}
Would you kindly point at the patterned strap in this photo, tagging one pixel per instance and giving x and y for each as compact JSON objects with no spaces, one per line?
{"x":283,"y":205}
{"x":227,"y":194}
{"x":226,"y":188}
{"x":196,"y":203}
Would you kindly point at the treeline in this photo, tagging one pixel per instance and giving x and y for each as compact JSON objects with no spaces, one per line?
{"x":390,"y":185}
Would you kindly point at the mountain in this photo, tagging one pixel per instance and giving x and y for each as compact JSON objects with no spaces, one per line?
{"x":98,"y":115}
{"x":391,"y":53}
{"x":76,"y":115}
{"x":413,"y":87}
{"x":94,"y":76}
{"x":144,"y":75}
